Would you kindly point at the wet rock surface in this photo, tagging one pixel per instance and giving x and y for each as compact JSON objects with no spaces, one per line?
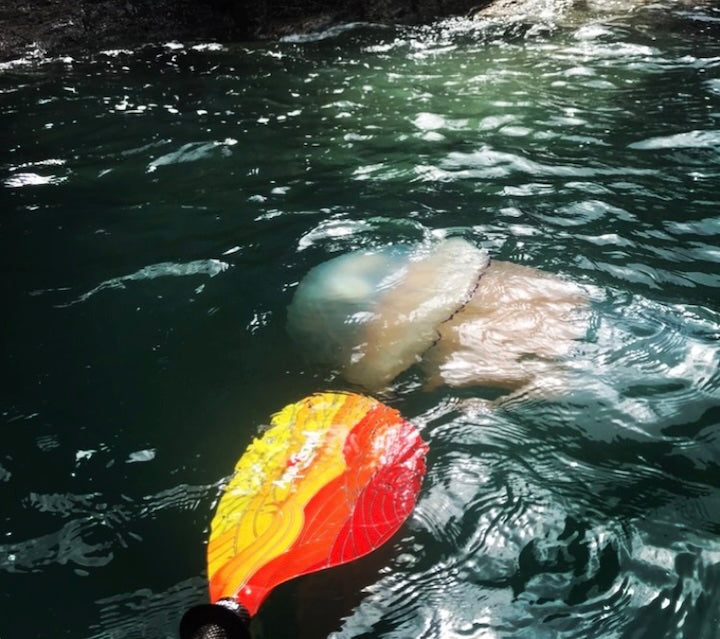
{"x":57,"y":28}
{"x":60,"y":28}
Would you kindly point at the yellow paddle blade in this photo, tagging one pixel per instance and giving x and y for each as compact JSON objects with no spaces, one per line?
{"x":334,"y":477}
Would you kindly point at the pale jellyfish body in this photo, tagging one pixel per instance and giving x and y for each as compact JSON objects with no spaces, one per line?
{"x":336,"y":299}
{"x":433,"y":284}
{"x":374,"y":314}
{"x":517,"y":329}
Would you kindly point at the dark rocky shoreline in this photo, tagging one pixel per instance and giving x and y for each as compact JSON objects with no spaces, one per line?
{"x":56,"y":27}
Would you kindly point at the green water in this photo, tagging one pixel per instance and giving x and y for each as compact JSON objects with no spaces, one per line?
{"x":159,"y":207}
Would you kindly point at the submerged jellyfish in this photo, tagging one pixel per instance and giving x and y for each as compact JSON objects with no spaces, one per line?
{"x":464,"y":319}
{"x":516,"y":331}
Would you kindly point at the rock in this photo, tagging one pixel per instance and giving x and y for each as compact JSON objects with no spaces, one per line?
{"x":63,"y":28}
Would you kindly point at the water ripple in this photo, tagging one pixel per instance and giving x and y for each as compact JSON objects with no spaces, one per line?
{"x":688,"y":140}
{"x":95,"y":528}
{"x":211,"y":268}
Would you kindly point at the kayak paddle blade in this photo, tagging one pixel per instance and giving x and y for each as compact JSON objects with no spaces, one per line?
{"x":333,"y":478}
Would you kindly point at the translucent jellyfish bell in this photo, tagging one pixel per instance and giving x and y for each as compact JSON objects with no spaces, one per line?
{"x":372,"y":314}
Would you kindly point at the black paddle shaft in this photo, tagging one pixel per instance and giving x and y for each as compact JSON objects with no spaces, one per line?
{"x":226,"y":619}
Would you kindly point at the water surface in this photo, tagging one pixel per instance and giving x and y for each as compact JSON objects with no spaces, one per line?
{"x":159,"y":207}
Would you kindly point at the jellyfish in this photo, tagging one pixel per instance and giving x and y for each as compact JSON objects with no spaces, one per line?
{"x":446,"y":307}
{"x":518,"y":329}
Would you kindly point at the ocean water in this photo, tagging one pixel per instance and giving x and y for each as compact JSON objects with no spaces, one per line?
{"x":160,"y":205}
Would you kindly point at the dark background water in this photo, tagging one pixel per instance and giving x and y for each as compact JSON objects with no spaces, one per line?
{"x":159,"y":207}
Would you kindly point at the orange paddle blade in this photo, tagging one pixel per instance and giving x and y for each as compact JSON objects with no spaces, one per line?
{"x":333,"y":478}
